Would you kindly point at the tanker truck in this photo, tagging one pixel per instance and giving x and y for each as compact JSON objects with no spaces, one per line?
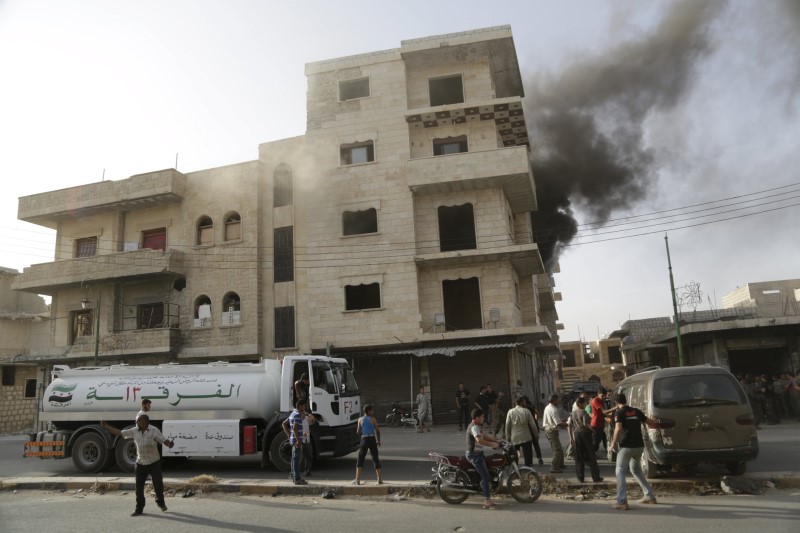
{"x":209,"y":410}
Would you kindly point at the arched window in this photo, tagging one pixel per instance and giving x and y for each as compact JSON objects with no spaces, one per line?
{"x":231,"y":309}
{"x":202,"y":312}
{"x":233,"y":227}
{"x":205,"y":231}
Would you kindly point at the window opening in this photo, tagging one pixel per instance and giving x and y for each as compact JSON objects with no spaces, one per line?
{"x":456,"y":228}
{"x":359,"y":222}
{"x":569,"y":357}
{"x":614,"y":355}
{"x":82,"y":323}
{"x":357,"y":153}
{"x":233,"y":227}
{"x":284,"y":327}
{"x":155,"y":239}
{"x":450,"y":145}
{"x":86,"y":247}
{"x":30,"y":388}
{"x":202,"y":312}
{"x":462,"y":304}
{"x":231,"y":309}
{"x":205,"y":231}
{"x":362,"y":297}
{"x":9,"y":374}
{"x":150,"y":316}
{"x":284,"y":254}
{"x":446,"y":90}
{"x":352,"y":89}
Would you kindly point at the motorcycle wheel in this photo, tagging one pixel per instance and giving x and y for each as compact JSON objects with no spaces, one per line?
{"x":391,"y":420}
{"x":450,"y":496}
{"x":525,"y":486}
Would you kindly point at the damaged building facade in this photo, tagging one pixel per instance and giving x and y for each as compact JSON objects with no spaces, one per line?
{"x":395,"y":233}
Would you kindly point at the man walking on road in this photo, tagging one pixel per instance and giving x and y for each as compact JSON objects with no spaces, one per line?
{"x":552,"y":422}
{"x":628,"y":434}
{"x":148,"y":462}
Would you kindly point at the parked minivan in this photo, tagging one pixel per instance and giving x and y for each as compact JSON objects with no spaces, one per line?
{"x":704,"y":417}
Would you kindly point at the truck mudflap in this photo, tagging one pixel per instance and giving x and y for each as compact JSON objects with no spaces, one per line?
{"x":47,"y":444}
{"x":338,"y":441}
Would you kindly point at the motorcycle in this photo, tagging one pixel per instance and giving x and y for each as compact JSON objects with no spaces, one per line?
{"x":401,"y":417}
{"x":455,"y":477}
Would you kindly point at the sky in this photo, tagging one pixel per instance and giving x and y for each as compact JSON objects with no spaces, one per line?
{"x":646,"y":119}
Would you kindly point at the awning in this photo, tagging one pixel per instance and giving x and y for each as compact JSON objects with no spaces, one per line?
{"x":450,"y":351}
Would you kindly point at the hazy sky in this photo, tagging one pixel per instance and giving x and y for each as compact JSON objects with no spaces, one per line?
{"x":636,"y":109}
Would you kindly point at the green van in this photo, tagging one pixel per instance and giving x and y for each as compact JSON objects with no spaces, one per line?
{"x":704,"y":417}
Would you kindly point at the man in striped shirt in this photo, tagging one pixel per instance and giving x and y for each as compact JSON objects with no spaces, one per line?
{"x":293,"y":427}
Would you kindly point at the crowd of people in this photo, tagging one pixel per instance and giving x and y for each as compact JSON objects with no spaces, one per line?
{"x":773,"y":398}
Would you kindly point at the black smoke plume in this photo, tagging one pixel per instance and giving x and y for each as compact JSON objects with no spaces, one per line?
{"x":587,"y":122}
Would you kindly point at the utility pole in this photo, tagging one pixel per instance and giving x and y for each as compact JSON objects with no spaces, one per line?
{"x":681,"y":360}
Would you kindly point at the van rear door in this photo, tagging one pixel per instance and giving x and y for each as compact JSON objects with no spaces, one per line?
{"x":701,"y":411}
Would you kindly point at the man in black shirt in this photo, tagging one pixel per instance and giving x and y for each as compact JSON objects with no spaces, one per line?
{"x":628,"y":434}
{"x":482,"y":401}
{"x":462,"y":405}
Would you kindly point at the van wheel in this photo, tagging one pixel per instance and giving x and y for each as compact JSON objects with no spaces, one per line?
{"x":649,"y":468}
{"x":736,"y":468}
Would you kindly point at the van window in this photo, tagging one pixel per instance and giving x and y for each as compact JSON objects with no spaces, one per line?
{"x":637,"y":398}
{"x":696,"y":389}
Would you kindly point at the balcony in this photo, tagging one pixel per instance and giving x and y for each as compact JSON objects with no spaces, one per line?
{"x":506,"y":168}
{"x":137,"y":192}
{"x":525,"y":258}
{"x":49,"y":278}
{"x":125,"y":344}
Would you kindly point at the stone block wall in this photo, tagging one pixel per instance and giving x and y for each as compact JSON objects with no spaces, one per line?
{"x":18,"y":413}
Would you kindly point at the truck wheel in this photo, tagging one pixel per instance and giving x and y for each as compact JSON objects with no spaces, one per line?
{"x":280,"y":452}
{"x":125,"y":452}
{"x":89,"y":453}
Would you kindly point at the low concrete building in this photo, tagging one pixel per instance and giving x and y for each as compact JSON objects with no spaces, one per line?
{"x":23,"y":320}
{"x":757,"y":331}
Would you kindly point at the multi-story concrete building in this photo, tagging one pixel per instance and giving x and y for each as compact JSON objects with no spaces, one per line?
{"x":396,"y":232}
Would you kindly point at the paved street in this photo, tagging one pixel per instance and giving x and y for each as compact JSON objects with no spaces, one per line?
{"x":776,"y":512}
{"x":405,"y":458}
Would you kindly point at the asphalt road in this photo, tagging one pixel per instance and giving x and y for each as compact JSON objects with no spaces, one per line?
{"x":24,"y":511}
{"x":404,"y":455}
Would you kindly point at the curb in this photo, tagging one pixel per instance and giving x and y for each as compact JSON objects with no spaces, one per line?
{"x":551,"y":486}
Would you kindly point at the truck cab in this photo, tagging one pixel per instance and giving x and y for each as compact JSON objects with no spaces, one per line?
{"x":334,"y":400}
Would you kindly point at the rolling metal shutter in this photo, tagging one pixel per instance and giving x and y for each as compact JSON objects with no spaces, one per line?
{"x":473,"y":369}
{"x":385,"y":379}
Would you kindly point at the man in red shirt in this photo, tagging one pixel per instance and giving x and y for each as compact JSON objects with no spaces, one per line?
{"x":599,"y":418}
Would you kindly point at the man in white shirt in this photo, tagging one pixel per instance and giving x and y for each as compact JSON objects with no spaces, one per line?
{"x":552,"y":421}
{"x":148,"y":461}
